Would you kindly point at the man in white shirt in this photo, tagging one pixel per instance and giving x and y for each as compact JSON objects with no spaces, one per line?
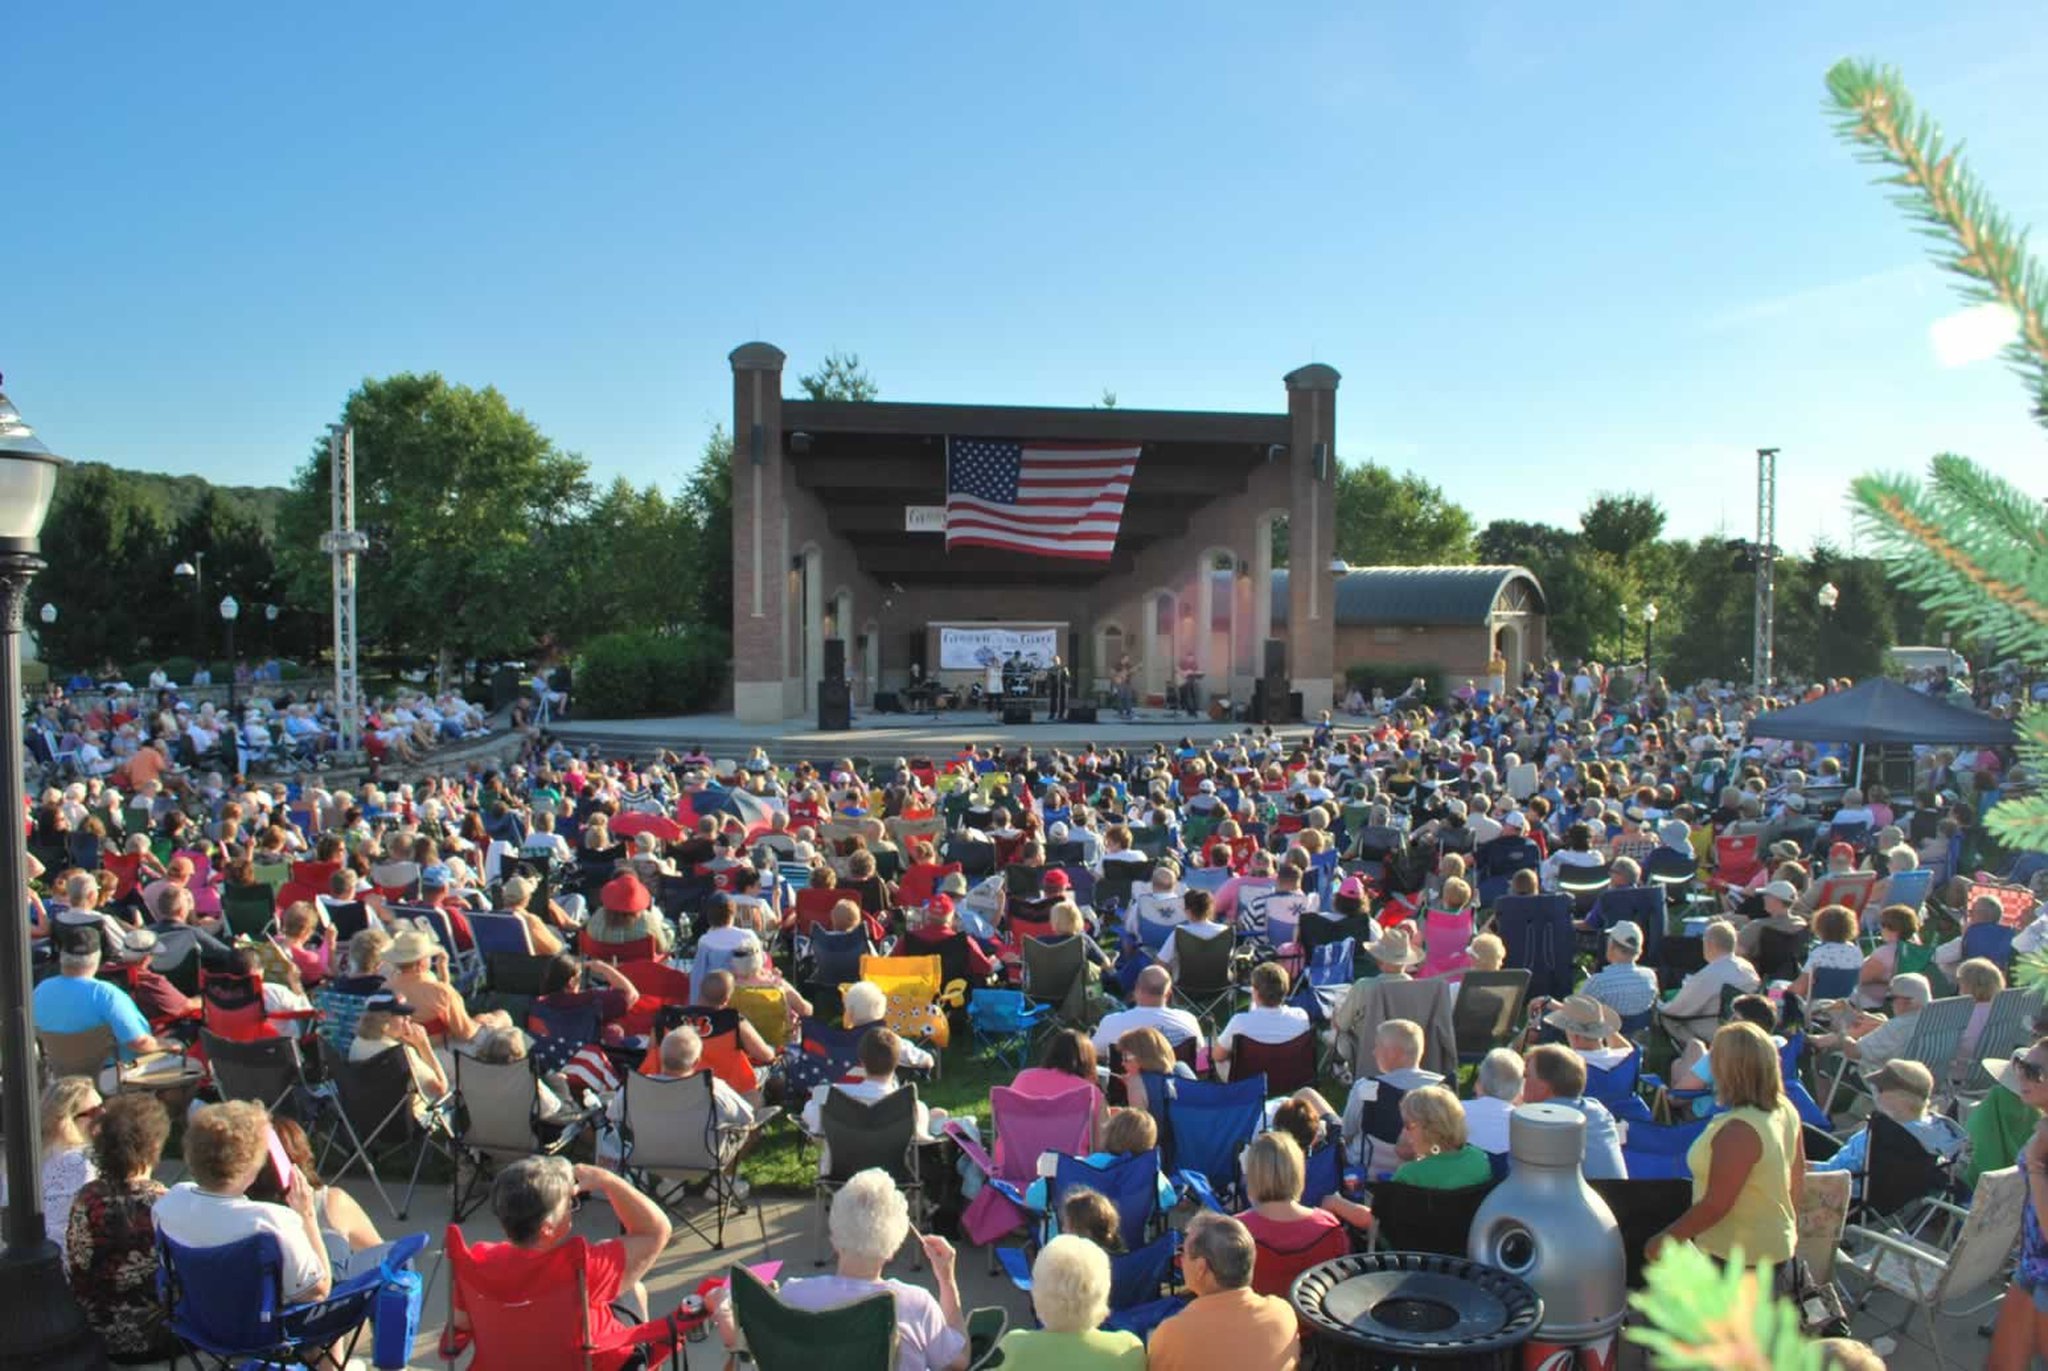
{"x":1270,"y":1019}
{"x":1695,"y":1011}
{"x":878,"y":1061}
{"x":1160,"y":903}
{"x":1496,"y":1087}
{"x":1153,"y":992}
{"x":1397,"y":1056}
{"x":1591,"y":1029}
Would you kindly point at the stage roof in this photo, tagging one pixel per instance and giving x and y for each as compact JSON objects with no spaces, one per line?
{"x":1429,"y":595}
{"x":867,"y":460}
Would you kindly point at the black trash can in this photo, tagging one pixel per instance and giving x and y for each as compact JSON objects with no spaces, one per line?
{"x":1376,"y":1310}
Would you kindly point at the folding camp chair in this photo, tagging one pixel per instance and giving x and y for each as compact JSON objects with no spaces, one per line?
{"x":1209,"y":1123}
{"x":1056,"y":976}
{"x":1539,"y":936}
{"x":1936,"y":1033}
{"x":1002,"y":1023}
{"x":269,"y":1071}
{"x":1901,"y":1180}
{"x":1130,"y":1184}
{"x":782,"y":1338}
{"x":496,"y":1119}
{"x":535,"y":1311}
{"x":1645,"y":1208}
{"x":1419,"y":1218}
{"x":382,"y":1113}
{"x":227,"y":1304}
{"x":860,"y":1136}
{"x":1616,"y":1087}
{"x":673,"y":1137}
{"x":1445,"y":938}
{"x":1026,"y":1127}
{"x":1140,"y":1283}
{"x":1647,"y":906}
{"x":835,"y":958}
{"x":918,"y":997}
{"x":1780,"y":953}
{"x":1287,"y":1066}
{"x":500,"y":933}
{"x":90,"y":1053}
{"x":2007,"y":1028}
{"x":1929,"y":1278}
{"x":248,"y":909}
{"x":824,"y":1052}
{"x":1207,"y":980}
{"x":1488,"y":1011}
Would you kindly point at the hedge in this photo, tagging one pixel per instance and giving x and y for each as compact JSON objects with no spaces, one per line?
{"x":1394,"y":678}
{"x":626,"y":675}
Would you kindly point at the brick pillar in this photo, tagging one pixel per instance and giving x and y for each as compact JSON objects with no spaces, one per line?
{"x":1312,"y":534}
{"x":760,"y":559}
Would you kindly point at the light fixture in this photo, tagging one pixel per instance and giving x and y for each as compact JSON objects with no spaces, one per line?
{"x":1339,"y":567}
{"x":1650,"y":613}
{"x":184,"y":569}
{"x":271,"y":612}
{"x":1827,"y":597}
{"x":49,"y":614}
{"x":230,"y":608}
{"x":799,"y":442}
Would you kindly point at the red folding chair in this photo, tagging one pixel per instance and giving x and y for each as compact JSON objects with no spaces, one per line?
{"x":638,"y":950}
{"x":528,"y":1309}
{"x":1286,"y":1066}
{"x":814,"y":909}
{"x":1736,"y":861}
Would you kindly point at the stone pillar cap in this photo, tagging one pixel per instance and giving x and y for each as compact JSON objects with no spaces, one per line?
{"x":1314,"y":376}
{"x":758,"y":357}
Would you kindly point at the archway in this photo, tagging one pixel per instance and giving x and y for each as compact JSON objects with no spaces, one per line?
{"x":1109,"y":650}
{"x":1507,"y":641}
{"x":1164,"y":623}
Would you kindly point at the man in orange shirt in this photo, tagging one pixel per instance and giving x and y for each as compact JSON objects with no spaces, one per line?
{"x":148,"y":764}
{"x":1228,"y":1327}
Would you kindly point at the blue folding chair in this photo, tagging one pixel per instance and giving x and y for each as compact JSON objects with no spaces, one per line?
{"x":465,"y":968}
{"x":1002,"y":1022}
{"x":1993,"y":942}
{"x":1657,"y":1151}
{"x":1645,"y":904}
{"x":1910,"y":888}
{"x":1210,"y":1124}
{"x":1139,"y":1282}
{"x":1539,"y":936}
{"x":1833,"y":983}
{"x":1152,"y":936}
{"x":1323,"y":1170}
{"x":1615,"y":1087}
{"x":1209,"y":878}
{"x":227,"y":1304}
{"x":500,"y":932}
{"x":1130,"y":1184}
{"x":1325,"y":978}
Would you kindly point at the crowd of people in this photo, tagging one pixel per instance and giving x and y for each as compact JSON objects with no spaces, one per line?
{"x":697,"y":917}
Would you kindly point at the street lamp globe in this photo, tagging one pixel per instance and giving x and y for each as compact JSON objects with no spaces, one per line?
{"x":184,"y":569}
{"x":271,"y":612}
{"x":1339,"y":567}
{"x":49,"y":614}
{"x":1827,"y":597}
{"x":1650,"y":613}
{"x":28,"y":478}
{"x":230,"y":608}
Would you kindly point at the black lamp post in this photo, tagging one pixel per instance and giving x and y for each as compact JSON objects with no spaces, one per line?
{"x":230,"y":610}
{"x":1649,"y":635}
{"x":41,"y":1324}
{"x":196,"y":569}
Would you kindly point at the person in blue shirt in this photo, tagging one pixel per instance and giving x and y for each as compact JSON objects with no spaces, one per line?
{"x":76,"y":1001}
{"x":1555,"y":1073}
{"x":1904,"y":1092}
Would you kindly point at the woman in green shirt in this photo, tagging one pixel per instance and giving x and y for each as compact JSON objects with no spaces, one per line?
{"x":1433,"y":1134}
{"x":1070,"y":1295}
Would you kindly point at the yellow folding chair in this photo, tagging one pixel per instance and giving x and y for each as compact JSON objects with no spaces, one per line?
{"x":918,"y":999}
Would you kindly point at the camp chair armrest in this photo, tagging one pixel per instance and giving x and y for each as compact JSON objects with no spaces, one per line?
{"x":1889,"y":1242}
{"x":1006,"y":1190}
{"x":760,"y":1121}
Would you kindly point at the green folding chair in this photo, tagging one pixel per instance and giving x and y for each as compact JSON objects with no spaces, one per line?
{"x":856,"y":1337}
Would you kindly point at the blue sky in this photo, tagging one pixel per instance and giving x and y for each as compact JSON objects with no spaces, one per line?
{"x":1549,"y":256}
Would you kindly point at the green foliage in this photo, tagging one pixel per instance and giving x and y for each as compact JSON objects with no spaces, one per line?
{"x":1392,"y":678}
{"x":1700,"y":1315}
{"x":1621,"y":525}
{"x":109,"y":572}
{"x":1973,"y":547}
{"x":841,"y":377}
{"x":457,"y":490}
{"x":1384,"y":519}
{"x":707,"y":497}
{"x":625,"y":675}
{"x":172,"y":497}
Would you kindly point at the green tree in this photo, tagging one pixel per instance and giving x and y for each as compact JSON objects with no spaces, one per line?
{"x":458,"y":492}
{"x":1384,"y":519}
{"x":707,"y":501}
{"x":109,"y":573}
{"x":841,"y":377}
{"x":1622,"y":525}
{"x":1975,"y":548}
{"x":1713,"y":634}
{"x":1515,"y":542}
{"x":239,"y":562}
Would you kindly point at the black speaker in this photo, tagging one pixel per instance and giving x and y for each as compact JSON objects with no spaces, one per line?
{"x":886,"y":702}
{"x":1080,"y":714}
{"x":835,"y":705}
{"x":835,"y":659}
{"x":1276,"y":657}
{"x":1016,"y":714}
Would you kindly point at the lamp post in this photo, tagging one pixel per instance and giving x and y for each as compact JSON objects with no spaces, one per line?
{"x":230,"y":610}
{"x":1827,"y":597}
{"x":1649,"y":634}
{"x":196,"y":569}
{"x":1621,"y":626}
{"x":41,"y":1324}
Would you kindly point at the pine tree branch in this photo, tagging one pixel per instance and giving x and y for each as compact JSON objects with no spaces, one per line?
{"x":1875,"y":111}
{"x":1997,"y":503}
{"x":1926,"y":549}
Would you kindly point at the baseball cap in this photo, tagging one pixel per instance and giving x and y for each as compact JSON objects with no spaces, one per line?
{"x":954,"y":884}
{"x":1628,"y":933}
{"x":1515,"y":820}
{"x":384,"y":1002}
{"x":1780,"y":890}
{"x":1840,"y":852}
{"x":1056,"y":879}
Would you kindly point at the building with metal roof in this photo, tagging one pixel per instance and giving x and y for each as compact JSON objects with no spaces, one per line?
{"x":1463,"y":620}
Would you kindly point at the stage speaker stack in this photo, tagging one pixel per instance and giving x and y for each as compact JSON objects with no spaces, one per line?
{"x":1080,"y":714}
{"x":1276,"y":659}
{"x":1015,"y":713}
{"x":835,"y":696}
{"x":888,"y":702}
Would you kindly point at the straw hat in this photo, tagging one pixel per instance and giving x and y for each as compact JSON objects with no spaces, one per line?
{"x":1393,"y":948}
{"x":412,"y":944}
{"x":1583,"y":1016}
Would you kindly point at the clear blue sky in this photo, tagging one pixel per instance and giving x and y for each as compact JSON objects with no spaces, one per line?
{"x":1548,"y":256}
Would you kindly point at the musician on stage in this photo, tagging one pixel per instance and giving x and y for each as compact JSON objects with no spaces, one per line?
{"x":1056,"y":683}
{"x":1122,"y":684}
{"x":992,"y":688}
{"x":1190,"y":682}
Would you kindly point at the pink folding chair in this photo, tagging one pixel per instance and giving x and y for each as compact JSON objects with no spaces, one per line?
{"x":1446,"y":938}
{"x":1026,"y":1127}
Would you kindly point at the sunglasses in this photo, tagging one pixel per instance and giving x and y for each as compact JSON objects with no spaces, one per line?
{"x":2030,"y":1071}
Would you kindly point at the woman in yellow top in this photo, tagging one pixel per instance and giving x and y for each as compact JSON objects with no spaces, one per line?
{"x":1749,"y":1167}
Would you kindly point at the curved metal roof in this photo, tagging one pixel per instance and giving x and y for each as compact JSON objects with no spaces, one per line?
{"x":1430,"y":595}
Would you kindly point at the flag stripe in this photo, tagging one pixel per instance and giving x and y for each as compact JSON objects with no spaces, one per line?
{"x":1051,"y":499}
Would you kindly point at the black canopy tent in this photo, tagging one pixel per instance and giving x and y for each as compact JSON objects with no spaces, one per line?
{"x":1879,"y":712}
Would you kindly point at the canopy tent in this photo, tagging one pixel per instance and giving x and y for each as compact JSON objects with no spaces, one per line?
{"x":1882,"y":711}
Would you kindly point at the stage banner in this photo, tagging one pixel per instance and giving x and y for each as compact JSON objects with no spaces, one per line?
{"x":970,"y":649}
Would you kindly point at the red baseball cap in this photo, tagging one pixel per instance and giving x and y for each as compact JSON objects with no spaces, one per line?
{"x":1057,"y":879}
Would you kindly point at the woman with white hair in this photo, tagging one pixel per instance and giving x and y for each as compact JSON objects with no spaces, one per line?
{"x":867,"y":1006}
{"x":869,"y":1222}
{"x":1070,"y":1295}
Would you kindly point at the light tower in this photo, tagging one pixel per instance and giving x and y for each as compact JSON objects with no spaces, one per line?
{"x":1766,"y":566}
{"x":344,"y":544}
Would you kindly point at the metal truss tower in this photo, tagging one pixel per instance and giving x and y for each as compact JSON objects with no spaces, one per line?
{"x":344,"y":545}
{"x":1763,"y":646}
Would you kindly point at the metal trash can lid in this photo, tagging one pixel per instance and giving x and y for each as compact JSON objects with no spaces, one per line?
{"x":1547,"y":1135}
{"x":1417,"y":1303}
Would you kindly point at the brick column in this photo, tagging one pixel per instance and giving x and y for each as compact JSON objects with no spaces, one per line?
{"x":1312,"y":534}
{"x":760,"y":559}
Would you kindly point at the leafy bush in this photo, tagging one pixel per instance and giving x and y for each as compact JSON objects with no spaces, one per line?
{"x":291,"y":671}
{"x":1393,"y":678}
{"x":135,"y":673}
{"x":624,"y":675}
{"x":180,"y":669}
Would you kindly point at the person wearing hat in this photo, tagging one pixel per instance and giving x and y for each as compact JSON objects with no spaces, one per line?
{"x":1870,"y":1041}
{"x":419,"y":974}
{"x":387,"y":1024}
{"x":1591,"y":1029}
{"x":1391,"y":995}
{"x":1778,"y":897}
{"x":1905,"y":1095}
{"x":1623,"y":985}
{"x":626,"y":914}
{"x":77,"y":1001}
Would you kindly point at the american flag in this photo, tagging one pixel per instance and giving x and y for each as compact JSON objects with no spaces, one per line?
{"x":1058,"y":500}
